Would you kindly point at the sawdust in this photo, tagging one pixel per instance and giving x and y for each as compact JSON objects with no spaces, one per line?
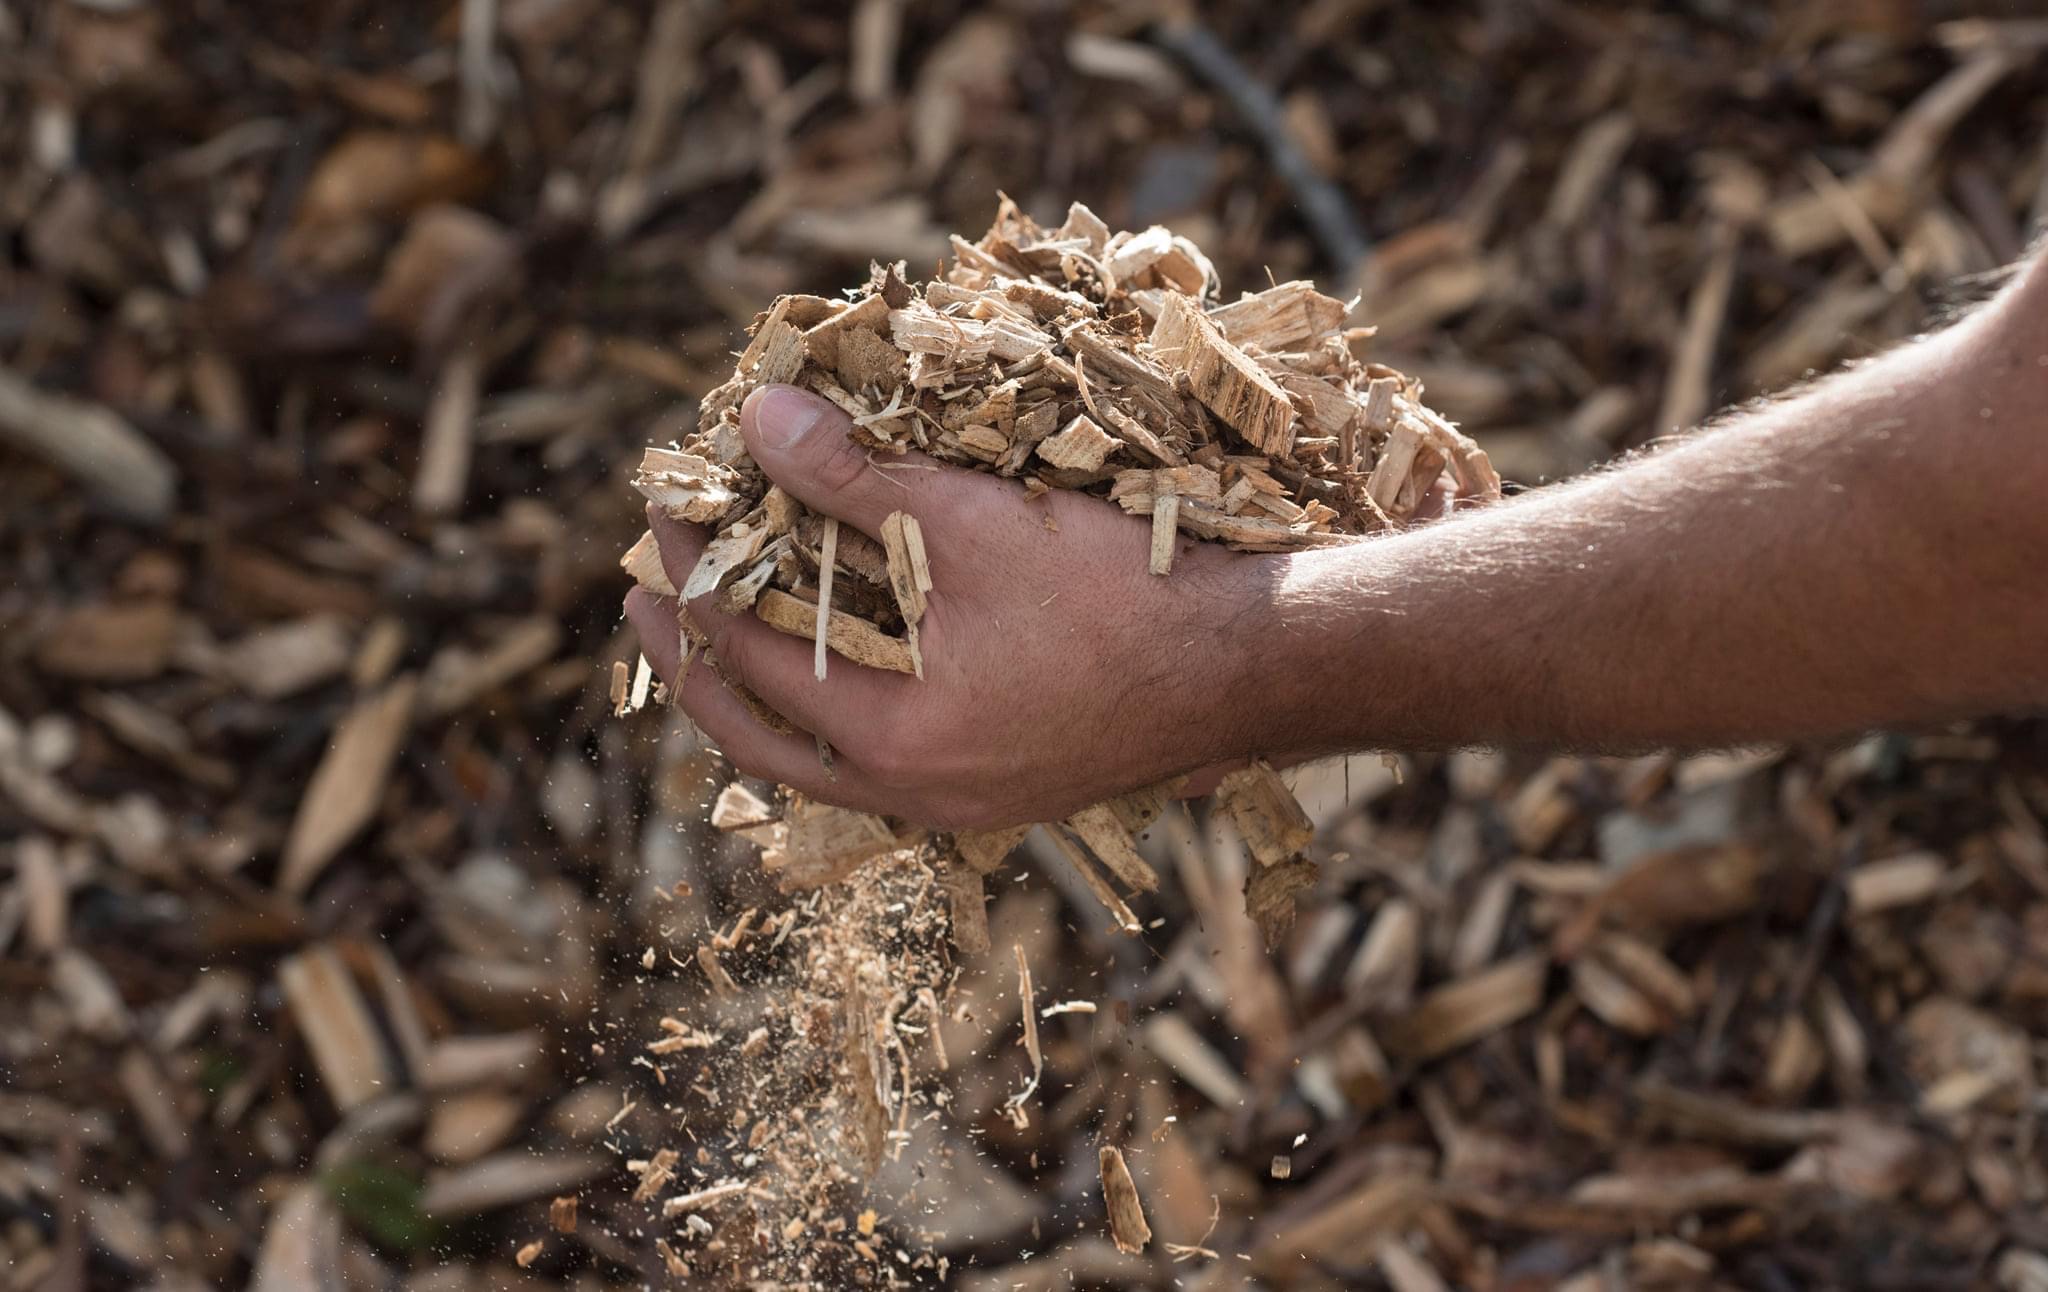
{"x":790,"y":1089}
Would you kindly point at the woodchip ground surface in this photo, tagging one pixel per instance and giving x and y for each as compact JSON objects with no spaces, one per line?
{"x":337,"y":914}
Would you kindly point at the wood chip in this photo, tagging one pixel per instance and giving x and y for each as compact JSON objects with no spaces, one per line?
{"x":910,"y":575}
{"x":985,"y":849}
{"x":1895,"y":881}
{"x":1165,"y":531}
{"x":1268,"y":819}
{"x":331,"y":1014}
{"x":828,"y":563}
{"x":856,"y":639}
{"x":1106,"y":836}
{"x":449,"y":436}
{"x":348,"y":785}
{"x":1119,"y":912}
{"x":91,"y":444}
{"x":1080,"y":445}
{"x":1224,"y":379}
{"x":1462,"y":1012}
{"x":1127,"y":1227}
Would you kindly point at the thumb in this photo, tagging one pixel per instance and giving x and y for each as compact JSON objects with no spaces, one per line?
{"x":805,"y":444}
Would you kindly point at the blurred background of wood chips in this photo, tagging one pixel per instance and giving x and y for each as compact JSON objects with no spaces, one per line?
{"x":330,"y":893}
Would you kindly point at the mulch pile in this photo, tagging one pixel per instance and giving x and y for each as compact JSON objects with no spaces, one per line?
{"x":337,"y":912}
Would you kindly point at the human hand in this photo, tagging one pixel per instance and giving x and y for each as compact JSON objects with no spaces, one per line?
{"x":1058,"y":671}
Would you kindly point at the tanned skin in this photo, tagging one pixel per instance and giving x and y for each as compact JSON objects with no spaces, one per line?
{"x":1871,"y":552}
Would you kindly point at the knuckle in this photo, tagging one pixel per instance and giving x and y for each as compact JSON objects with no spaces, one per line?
{"x":890,"y":765}
{"x":897,"y":757}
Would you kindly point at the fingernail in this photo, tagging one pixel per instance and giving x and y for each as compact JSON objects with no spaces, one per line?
{"x":784,"y":415}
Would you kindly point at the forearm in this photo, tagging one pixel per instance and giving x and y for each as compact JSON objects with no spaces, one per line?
{"x":1871,"y":552}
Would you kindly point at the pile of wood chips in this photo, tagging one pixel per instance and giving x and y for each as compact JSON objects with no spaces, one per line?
{"x":1069,"y":358}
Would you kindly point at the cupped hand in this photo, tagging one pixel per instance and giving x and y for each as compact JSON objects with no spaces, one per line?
{"x":1058,"y":671}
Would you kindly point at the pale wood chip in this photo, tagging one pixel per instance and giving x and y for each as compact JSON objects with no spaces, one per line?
{"x":1165,"y":532}
{"x":1106,"y":836}
{"x":985,"y":849}
{"x":828,"y":563}
{"x":329,"y":1011}
{"x":1268,"y":817}
{"x":1097,"y":885}
{"x":855,"y":638}
{"x":722,"y":984}
{"x":1026,"y":998}
{"x":1461,"y":1012}
{"x":1080,"y":445}
{"x":1223,"y":377}
{"x":348,"y":785}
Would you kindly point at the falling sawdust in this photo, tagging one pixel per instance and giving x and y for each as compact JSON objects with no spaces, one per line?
{"x":792,"y":1082}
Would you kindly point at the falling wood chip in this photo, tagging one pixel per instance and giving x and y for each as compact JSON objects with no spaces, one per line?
{"x":702,"y":1199}
{"x":721,"y":981}
{"x":1127,"y":1227}
{"x":1097,"y":885}
{"x":1268,"y":819}
{"x":1270,"y":892}
{"x":1106,"y":837}
{"x":1026,"y":999}
{"x":865,"y":1068}
{"x":642,"y":564}
{"x":739,"y":808}
{"x":621,"y":687}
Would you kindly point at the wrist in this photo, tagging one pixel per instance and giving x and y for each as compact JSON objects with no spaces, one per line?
{"x":1284,"y":654}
